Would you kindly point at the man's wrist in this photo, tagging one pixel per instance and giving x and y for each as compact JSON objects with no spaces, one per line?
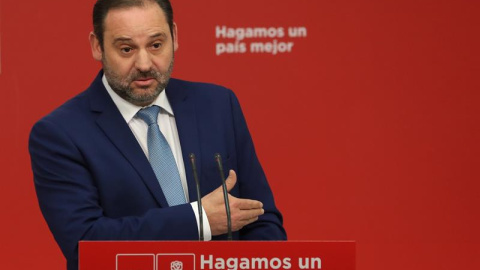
{"x":207,"y":233}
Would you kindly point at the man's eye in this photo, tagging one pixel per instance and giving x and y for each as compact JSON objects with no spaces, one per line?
{"x":157,"y":45}
{"x":126,"y":49}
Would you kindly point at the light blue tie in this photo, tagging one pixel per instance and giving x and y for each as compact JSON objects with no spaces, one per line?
{"x":161,"y":158}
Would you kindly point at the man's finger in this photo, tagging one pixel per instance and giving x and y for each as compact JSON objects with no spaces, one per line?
{"x":245,"y":204}
{"x":251,"y":214}
{"x":231,"y":180}
{"x":244,"y":223}
{"x":248,"y":221}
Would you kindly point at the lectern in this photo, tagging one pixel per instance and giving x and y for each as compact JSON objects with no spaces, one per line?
{"x":217,"y":255}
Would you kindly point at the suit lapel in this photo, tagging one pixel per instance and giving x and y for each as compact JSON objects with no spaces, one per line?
{"x":116,"y":129}
{"x":183,"y":106}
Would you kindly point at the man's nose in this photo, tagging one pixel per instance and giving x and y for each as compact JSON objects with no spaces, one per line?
{"x":143,"y":61}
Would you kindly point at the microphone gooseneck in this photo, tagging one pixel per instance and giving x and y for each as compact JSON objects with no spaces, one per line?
{"x":199,"y":195}
{"x":218,"y":159}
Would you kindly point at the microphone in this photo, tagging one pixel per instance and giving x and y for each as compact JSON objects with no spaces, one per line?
{"x":218,"y":159}
{"x":199,"y":195}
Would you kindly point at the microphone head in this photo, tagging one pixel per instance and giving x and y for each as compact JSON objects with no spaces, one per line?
{"x":218,"y":158}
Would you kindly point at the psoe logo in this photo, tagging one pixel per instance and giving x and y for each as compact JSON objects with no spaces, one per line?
{"x":176,"y":265}
{"x":176,"y":261}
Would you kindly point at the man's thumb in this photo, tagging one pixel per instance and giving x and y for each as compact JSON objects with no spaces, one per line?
{"x":231,"y":180}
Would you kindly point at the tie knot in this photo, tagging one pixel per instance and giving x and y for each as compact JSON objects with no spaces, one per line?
{"x":149,"y":115}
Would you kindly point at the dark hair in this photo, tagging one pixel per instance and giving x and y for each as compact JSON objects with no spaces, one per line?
{"x":101,"y":8}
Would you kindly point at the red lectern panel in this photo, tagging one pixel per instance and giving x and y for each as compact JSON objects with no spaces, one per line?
{"x":241,"y":255}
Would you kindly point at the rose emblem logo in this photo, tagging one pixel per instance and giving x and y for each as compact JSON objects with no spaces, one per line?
{"x":176,"y":265}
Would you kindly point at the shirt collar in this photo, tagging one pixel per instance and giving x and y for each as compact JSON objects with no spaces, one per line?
{"x":129,"y":110}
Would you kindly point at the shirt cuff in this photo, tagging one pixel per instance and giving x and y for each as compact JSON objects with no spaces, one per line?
{"x":207,"y":233}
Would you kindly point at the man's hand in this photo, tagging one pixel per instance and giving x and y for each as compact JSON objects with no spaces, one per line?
{"x":243,"y":211}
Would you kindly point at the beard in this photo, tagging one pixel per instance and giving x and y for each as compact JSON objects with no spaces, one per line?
{"x":140,"y":96}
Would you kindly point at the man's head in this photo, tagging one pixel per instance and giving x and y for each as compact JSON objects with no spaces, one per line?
{"x":102,"y":7}
{"x":135,"y":40}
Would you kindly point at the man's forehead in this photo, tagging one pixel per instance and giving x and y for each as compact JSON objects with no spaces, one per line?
{"x":131,"y":20}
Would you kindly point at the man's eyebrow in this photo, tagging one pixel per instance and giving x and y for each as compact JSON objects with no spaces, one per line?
{"x":122,"y":39}
{"x":127,"y":39}
{"x":157,"y":35}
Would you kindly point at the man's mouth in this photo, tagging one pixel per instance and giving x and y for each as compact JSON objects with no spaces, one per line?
{"x":143,"y":82}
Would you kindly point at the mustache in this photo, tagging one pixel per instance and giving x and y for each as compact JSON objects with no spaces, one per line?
{"x":144,"y":74}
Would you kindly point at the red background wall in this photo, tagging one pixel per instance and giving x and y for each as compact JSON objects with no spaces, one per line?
{"x":368,"y":130}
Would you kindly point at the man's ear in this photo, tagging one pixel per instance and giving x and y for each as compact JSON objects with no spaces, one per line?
{"x":175,"y":37}
{"x":97,"y":52}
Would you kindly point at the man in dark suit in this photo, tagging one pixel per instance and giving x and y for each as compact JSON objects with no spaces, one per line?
{"x":93,"y":158}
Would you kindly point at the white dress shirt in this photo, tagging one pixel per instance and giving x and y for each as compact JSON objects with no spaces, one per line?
{"x":168,"y":127}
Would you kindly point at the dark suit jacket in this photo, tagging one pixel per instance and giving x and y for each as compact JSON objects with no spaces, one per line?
{"x":94,"y":182}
